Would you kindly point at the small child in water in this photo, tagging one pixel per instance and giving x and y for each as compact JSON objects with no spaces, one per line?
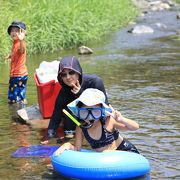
{"x":18,"y":69}
{"x":100,"y":124}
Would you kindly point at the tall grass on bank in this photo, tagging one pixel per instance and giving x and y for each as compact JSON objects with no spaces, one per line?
{"x":60,"y":24}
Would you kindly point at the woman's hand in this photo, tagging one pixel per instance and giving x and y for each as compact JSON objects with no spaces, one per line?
{"x":76,"y":87}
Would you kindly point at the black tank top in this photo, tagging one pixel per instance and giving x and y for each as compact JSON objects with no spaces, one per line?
{"x":106,"y":137}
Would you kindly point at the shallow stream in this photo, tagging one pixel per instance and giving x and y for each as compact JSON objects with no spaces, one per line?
{"x":141,"y":73}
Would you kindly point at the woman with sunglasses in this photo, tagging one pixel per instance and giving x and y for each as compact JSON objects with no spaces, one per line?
{"x":73,"y":82}
{"x":100,"y":124}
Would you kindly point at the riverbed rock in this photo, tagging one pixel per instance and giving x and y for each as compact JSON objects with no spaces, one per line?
{"x":160,"y":25}
{"x":30,"y":113}
{"x":178,"y":33}
{"x":159,"y":6}
{"x":178,"y":16}
{"x":85,"y":50}
{"x":140,"y":29}
{"x":32,"y":116}
{"x":142,"y":4}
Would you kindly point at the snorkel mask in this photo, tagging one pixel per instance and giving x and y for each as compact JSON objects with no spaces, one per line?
{"x":96,"y":113}
{"x":90,"y":114}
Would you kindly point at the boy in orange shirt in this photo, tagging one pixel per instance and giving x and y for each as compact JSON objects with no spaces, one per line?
{"x":18,"y":69}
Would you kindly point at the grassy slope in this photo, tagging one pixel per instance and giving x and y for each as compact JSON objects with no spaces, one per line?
{"x":59,"y":24}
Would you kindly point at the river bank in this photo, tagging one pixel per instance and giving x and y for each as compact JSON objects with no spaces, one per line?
{"x":57,"y":25}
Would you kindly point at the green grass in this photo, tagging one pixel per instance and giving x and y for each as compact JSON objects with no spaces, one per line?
{"x":61,"y":24}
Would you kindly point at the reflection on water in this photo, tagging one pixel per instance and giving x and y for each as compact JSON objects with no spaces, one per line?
{"x":142,"y":82}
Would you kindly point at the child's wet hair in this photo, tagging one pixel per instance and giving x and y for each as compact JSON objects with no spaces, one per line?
{"x":79,"y":104}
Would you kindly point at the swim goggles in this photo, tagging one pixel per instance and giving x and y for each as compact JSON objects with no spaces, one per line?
{"x":94,"y":112}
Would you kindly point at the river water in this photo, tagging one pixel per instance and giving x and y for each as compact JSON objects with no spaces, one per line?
{"x":141,"y":74}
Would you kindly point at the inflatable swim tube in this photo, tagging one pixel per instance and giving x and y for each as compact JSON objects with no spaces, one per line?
{"x":86,"y":164}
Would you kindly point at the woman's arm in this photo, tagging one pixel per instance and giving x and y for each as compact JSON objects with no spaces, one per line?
{"x":57,"y":112}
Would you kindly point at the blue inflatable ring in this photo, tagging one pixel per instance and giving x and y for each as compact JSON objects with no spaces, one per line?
{"x":87,"y":164}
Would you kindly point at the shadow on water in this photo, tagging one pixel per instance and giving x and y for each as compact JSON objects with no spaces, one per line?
{"x":141,"y":75}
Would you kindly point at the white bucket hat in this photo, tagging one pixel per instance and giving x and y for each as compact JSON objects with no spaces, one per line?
{"x":89,"y":97}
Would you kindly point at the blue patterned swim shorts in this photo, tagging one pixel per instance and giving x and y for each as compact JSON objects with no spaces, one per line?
{"x":17,"y":88}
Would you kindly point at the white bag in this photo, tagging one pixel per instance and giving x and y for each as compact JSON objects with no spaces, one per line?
{"x":47,"y":71}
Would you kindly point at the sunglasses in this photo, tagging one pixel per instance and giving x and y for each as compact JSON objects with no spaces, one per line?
{"x":96,"y":113}
{"x":70,"y":73}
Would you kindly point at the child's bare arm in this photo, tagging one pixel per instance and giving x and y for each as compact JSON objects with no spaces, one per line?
{"x":128,"y":123}
{"x":21,"y":36}
{"x":69,"y":146}
{"x":123,"y":123}
{"x":78,"y":139}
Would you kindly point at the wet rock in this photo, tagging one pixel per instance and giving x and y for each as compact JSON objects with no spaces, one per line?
{"x":30,"y":113}
{"x":178,"y":16}
{"x":141,"y":29}
{"x":159,"y":6}
{"x":142,"y":4}
{"x":178,"y":33}
{"x":85,"y":50}
{"x":160,"y":25}
{"x":171,"y":3}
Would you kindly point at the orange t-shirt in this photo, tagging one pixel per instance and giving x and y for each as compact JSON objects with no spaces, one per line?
{"x":18,"y":60}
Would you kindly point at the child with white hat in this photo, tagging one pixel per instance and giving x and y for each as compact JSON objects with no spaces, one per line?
{"x":100,"y":124}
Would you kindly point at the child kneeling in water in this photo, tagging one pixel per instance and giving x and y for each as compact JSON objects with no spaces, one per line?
{"x":100,"y":124}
